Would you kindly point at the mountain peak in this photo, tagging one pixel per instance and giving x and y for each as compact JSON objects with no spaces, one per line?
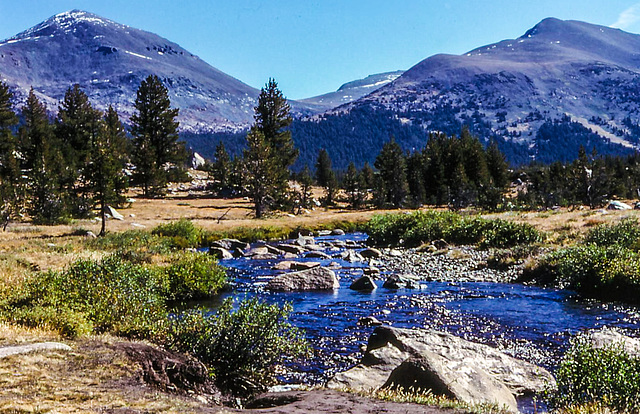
{"x":65,"y":22}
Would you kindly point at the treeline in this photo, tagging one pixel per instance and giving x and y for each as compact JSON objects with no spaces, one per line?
{"x":449,"y":171}
{"x":56,"y":169}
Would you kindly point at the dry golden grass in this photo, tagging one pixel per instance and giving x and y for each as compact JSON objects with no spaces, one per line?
{"x":94,"y":377}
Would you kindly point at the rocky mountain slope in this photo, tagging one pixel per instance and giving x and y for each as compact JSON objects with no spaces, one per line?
{"x":109,"y":60}
{"x":561,"y":84}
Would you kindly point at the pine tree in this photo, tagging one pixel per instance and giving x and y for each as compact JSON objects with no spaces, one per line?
{"x":326,"y":177}
{"x":11,"y":193}
{"x":261,"y":168}
{"x":391,"y":165}
{"x":42,"y":162}
{"x":367,"y":175}
{"x":353,"y":186}
{"x":306,"y":181}
{"x":155,"y":136}
{"x":76,"y":125}
{"x":105,"y":170}
{"x":272,"y":118}
{"x":499,"y":176}
{"x":220,"y":169}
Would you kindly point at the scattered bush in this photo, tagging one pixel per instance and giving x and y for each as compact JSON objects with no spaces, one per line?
{"x":626,"y":233}
{"x":182,"y":233}
{"x":192,"y":276}
{"x":610,"y":273}
{"x":241,"y":346}
{"x":112,"y":295}
{"x":591,"y":376}
{"x":413,"y":229}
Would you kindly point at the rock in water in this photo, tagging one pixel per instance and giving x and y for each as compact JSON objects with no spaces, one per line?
{"x":441,"y":358}
{"x":364,"y":283}
{"x":220,"y":253}
{"x":371,"y":253}
{"x":317,"y":278}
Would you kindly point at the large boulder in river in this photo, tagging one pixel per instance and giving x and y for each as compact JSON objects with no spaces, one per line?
{"x":364,"y":283}
{"x":442,"y":357}
{"x":220,"y":253}
{"x":317,"y":278}
{"x":231,"y":244}
{"x":461,"y":381}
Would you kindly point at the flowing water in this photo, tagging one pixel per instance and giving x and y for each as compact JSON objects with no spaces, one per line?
{"x":530,"y":323}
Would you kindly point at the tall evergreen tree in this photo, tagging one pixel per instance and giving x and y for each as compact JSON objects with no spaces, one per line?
{"x":220,"y":169}
{"x":155,"y":136}
{"x":499,"y":177}
{"x":261,"y":169}
{"x":326,"y":177}
{"x":391,"y":165}
{"x":42,"y":162}
{"x":76,"y":126}
{"x":354,"y":186}
{"x":272,"y":119}
{"x":306,"y":181}
{"x":105,"y":170}
{"x":11,"y":194}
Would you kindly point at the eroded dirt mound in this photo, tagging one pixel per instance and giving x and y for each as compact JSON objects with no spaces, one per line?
{"x":169,"y":371}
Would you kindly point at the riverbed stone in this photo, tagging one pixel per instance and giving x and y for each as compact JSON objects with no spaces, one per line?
{"x":352,"y":256}
{"x":317,"y":278}
{"x":231,"y":244}
{"x":369,"y":321}
{"x":304,"y":265}
{"x":291,"y":248}
{"x":371,"y":271}
{"x":220,"y":253}
{"x":371,"y":253}
{"x":364,"y":283}
{"x":337,"y":232}
{"x":317,"y":255}
{"x":396,"y":281}
{"x":389,"y":347}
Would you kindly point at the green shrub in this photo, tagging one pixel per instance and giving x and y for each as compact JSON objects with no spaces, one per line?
{"x":182,"y":233}
{"x":626,"y":233}
{"x":240,"y":346}
{"x":137,"y":244}
{"x":192,"y":276}
{"x":610,"y":273}
{"x":414,"y":229}
{"x":606,"y":375}
{"x":67,"y":322}
{"x":112,"y":296}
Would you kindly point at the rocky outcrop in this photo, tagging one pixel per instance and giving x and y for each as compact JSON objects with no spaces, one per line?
{"x":445,"y":364}
{"x":317,"y":278}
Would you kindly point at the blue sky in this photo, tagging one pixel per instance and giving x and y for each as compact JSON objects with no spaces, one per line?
{"x":313,"y":46}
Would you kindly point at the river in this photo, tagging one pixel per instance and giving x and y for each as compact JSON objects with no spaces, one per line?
{"x":531,"y":323}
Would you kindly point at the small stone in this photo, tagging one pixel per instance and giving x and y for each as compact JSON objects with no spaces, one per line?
{"x":369,"y":321}
{"x":337,"y":232}
{"x":90,"y":235}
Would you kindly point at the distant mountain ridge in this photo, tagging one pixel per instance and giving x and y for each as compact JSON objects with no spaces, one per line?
{"x":352,"y":91}
{"x":583,"y":76}
{"x":109,"y":60}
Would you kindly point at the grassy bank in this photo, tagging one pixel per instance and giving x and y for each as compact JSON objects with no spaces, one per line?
{"x":131,"y":291}
{"x":416,"y":228}
{"x":604,"y":264}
